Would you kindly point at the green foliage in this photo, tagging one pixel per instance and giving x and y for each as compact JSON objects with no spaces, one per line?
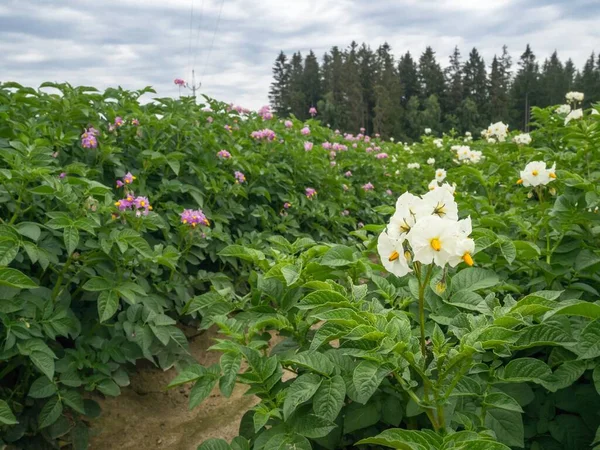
{"x":309,"y":322}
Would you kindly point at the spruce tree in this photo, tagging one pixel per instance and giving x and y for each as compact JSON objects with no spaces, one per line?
{"x":475,"y":85}
{"x":367,"y":70}
{"x":296,"y":84}
{"x":280,"y":85}
{"x":311,"y":80}
{"x":431,"y":77}
{"x":552,"y":82}
{"x":525,"y":89}
{"x":455,"y":90}
{"x":409,"y":76}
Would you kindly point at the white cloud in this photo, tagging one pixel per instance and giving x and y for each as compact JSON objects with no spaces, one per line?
{"x":134,"y":43}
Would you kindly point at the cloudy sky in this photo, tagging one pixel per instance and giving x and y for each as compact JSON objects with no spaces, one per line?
{"x":134,"y":43}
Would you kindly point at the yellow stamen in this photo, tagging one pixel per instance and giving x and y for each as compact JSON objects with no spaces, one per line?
{"x":150,"y":208}
{"x":534,"y":173}
{"x":117,"y":204}
{"x":436,"y":244}
{"x":552,"y":175}
{"x":407,"y":255}
{"x":184,"y":221}
{"x":519,"y":181}
{"x":468,"y":259}
{"x":135,"y":178}
{"x":127,"y":181}
{"x":394,"y":256}
{"x":193,"y":224}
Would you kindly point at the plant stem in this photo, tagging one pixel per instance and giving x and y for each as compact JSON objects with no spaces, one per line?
{"x":422,"y":286}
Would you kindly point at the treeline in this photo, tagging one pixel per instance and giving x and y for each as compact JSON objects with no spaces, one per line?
{"x":358,"y":87}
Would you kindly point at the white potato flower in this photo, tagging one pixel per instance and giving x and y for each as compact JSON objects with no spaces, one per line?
{"x":573,"y":115}
{"x":475,"y":156}
{"x":439,"y":202}
{"x":574,"y":96}
{"x":522,"y":139}
{"x":433,"y":185}
{"x":439,"y":143}
{"x":392,"y":254}
{"x":563,"y":109}
{"x":427,"y":130}
{"x":405,"y":216}
{"x":497,"y":130}
{"x":431,"y":161}
{"x":536,"y":174}
{"x":413,"y":165}
{"x":433,"y":240}
{"x":440,"y":175}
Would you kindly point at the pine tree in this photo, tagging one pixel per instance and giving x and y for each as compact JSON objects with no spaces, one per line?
{"x":525,"y":89}
{"x":388,"y":95}
{"x":296,"y":91}
{"x":431,"y":77}
{"x":352,"y":102}
{"x":569,"y":76}
{"x":589,"y":81}
{"x":311,"y":82}
{"x":475,"y":85}
{"x":367,"y":69}
{"x":409,"y":76}
{"x":552,"y":82}
{"x":455,"y":90}
{"x":279,"y":87}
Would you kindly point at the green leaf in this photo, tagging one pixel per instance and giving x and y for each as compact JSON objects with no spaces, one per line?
{"x":473,"y":279}
{"x":80,"y":436}
{"x":288,"y":442}
{"x":240,"y":252}
{"x":522,"y":370}
{"x":73,"y":400}
{"x":44,"y":362}
{"x":108,"y":303}
{"x":317,"y":362}
{"x":290,"y":273}
{"x":405,"y":440}
{"x":202,"y":389}
{"x":109,"y":387}
{"x":230,"y":365}
{"x":312,"y":426}
{"x":42,"y":190}
{"x":13,"y":278}
{"x":329,"y":398}
{"x":214,"y":444}
{"x":338,"y":256}
{"x":42,"y":388}
{"x":300,"y":391}
{"x":50,"y":412}
{"x":97,"y":284}
{"x":589,"y":341}
{"x":9,"y":248}
{"x":6,"y":415}
{"x":188,"y":375}
{"x":501,"y":400}
{"x":71,"y":237}
{"x":366,"y":378}
{"x":583,"y":309}
{"x":596,"y":378}
{"x":508,"y":426}
{"x":508,"y":250}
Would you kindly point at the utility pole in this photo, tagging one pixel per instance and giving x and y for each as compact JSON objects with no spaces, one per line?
{"x":193,"y":87}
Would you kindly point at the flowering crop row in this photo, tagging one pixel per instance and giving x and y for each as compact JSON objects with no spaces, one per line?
{"x":118,"y":221}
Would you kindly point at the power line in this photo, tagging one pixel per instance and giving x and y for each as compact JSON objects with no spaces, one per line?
{"x":198,"y":35}
{"x":212,"y":41}
{"x":190,"y":43}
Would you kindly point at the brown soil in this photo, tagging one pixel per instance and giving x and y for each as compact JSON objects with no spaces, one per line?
{"x":145,"y":416}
